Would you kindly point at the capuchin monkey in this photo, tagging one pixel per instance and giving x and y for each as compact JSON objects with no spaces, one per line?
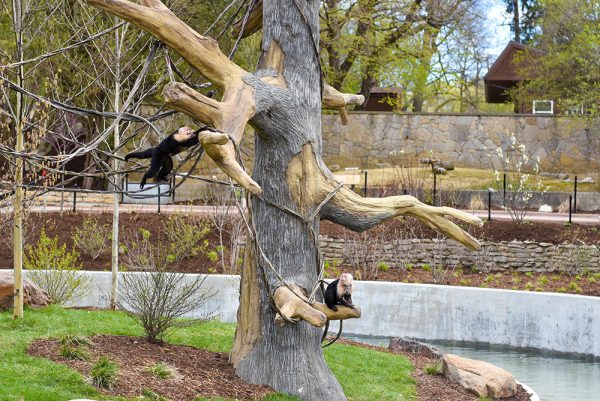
{"x":339,"y":292}
{"x":161,"y":163}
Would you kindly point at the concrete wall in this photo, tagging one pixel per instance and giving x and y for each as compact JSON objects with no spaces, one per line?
{"x":558,"y":322}
{"x":563,"y":144}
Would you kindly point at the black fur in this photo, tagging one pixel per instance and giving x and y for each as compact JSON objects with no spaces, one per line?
{"x":332,"y":299}
{"x":161,"y":163}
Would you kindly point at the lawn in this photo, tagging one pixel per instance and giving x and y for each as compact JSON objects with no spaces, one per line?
{"x":457,"y":179}
{"x":23,"y":377}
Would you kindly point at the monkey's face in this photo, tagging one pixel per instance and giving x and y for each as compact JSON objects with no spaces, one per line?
{"x":184,"y":133}
{"x":346,"y":284}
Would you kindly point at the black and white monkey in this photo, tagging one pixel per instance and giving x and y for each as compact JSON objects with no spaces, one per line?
{"x":161,"y":163}
{"x":339,"y":292}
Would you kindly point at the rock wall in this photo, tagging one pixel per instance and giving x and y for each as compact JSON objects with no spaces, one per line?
{"x":496,"y":257}
{"x":563,"y":144}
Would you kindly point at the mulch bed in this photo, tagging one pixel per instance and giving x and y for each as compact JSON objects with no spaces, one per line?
{"x":435,"y":387}
{"x":200,"y":373}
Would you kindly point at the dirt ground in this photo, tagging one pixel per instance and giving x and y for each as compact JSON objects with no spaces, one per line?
{"x":131,"y":223}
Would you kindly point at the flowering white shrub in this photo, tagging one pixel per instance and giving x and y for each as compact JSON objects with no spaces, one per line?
{"x":521,"y":172}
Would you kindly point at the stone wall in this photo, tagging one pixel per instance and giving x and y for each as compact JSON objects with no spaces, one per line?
{"x":562,"y":143}
{"x":496,"y":257}
{"x":56,"y":197}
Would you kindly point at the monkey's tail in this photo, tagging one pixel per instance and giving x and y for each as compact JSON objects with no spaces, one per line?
{"x":144,"y":154}
{"x":337,"y":337}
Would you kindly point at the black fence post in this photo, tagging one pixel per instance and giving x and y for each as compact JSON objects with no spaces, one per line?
{"x":158,"y":197}
{"x":570,"y":207}
{"x":173,"y":186}
{"x":75,"y":199}
{"x":489,"y":205}
{"x":575,"y":197}
{"x":365,"y":188}
{"x":434,"y":203}
{"x":504,"y":189}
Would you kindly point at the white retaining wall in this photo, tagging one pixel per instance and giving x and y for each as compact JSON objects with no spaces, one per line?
{"x":557,"y":322}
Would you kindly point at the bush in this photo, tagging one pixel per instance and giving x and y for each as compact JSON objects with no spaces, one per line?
{"x":74,"y":353}
{"x":156,"y":297}
{"x":433,"y":368}
{"x":104,"y":373}
{"x":161,"y":370}
{"x":92,"y":238}
{"x":186,"y":236}
{"x":55,"y":270}
{"x":74,"y":340}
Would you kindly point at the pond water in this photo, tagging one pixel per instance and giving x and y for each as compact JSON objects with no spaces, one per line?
{"x":555,"y":377}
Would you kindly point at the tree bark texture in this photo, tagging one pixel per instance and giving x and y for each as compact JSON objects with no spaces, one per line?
{"x":278,"y":335}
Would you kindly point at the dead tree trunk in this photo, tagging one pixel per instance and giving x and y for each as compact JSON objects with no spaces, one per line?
{"x":278,"y":335}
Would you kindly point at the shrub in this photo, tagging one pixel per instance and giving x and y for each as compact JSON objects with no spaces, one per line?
{"x":153,"y":396}
{"x":513,"y":162}
{"x":92,"y":238}
{"x":55,"y":270}
{"x":74,"y":340}
{"x":74,"y":353}
{"x":186,"y":236}
{"x":161,"y":370}
{"x":433,"y":368}
{"x":156,"y":297}
{"x":383,"y":266}
{"x":104,"y":373}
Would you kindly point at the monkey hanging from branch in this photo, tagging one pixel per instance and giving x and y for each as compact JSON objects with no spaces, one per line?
{"x":161,"y":163}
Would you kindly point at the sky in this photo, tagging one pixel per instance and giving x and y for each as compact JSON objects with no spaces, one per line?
{"x":498,"y":28}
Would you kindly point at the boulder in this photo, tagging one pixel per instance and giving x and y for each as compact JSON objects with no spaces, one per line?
{"x":33,"y":295}
{"x":405,"y":344}
{"x":481,"y":378}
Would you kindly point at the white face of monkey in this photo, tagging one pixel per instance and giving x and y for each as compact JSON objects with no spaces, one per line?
{"x":184,"y":133}
{"x":346,"y":284}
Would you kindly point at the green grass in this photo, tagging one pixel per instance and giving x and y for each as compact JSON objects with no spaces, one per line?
{"x":364,"y":374}
{"x":457,"y":179}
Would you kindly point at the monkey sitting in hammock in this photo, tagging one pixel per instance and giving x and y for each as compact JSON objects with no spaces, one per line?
{"x":161,"y":163}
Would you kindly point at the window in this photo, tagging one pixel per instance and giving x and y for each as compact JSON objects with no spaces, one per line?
{"x":543,"y":107}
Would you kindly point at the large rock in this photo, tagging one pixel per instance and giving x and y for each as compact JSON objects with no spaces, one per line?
{"x":33,"y":295}
{"x":408,"y":345}
{"x":480,"y":378}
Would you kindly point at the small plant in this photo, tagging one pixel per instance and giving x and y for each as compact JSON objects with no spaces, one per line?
{"x":529,"y":274}
{"x":529,"y":286}
{"x":562,"y":289}
{"x":104,"y":373}
{"x":55,"y":270}
{"x":555,"y":278}
{"x":92,"y":238}
{"x":433,"y":368}
{"x":153,"y":396}
{"x":465,"y":282}
{"x":574,"y":287}
{"x":383,"y":267}
{"x":74,"y":353}
{"x":426,"y":267}
{"x":75,"y":340}
{"x":543,"y":281}
{"x":489,"y":278}
{"x":332,"y":268}
{"x":161,"y":370}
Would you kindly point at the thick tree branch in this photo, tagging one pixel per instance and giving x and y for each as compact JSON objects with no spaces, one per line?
{"x":200,"y":52}
{"x":309,"y":186}
{"x":229,"y":115}
{"x":294,"y":305}
{"x":254,"y":23}
{"x":335,"y":99}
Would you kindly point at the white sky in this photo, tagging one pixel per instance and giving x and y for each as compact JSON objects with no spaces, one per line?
{"x":497,"y":26}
